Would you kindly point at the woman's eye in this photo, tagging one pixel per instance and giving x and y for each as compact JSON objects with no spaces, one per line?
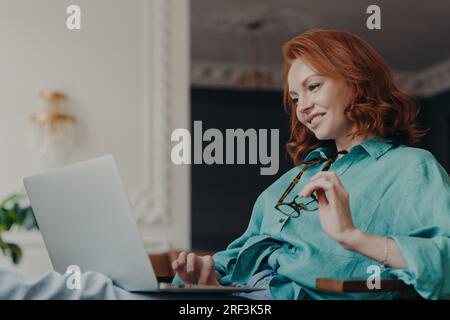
{"x":294,"y":100}
{"x":313,"y":86}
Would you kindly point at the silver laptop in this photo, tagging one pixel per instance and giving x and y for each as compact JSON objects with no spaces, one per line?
{"x":86,"y":220}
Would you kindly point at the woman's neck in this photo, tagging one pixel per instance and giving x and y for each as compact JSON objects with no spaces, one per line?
{"x":346,"y":143}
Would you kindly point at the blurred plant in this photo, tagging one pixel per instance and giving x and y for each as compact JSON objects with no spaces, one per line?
{"x":13,"y":212}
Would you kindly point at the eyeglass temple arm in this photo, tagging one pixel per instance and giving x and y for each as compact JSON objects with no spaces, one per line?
{"x":295,"y":181}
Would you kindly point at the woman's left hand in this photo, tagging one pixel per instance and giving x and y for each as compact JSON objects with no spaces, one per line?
{"x":334,"y":207}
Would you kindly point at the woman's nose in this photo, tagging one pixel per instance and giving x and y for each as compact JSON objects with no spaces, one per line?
{"x":304,"y":107}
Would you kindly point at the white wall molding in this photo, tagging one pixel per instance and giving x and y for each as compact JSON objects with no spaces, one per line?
{"x":162,"y":203}
{"x":428,"y":82}
{"x":228,"y":75}
{"x":150,"y":201}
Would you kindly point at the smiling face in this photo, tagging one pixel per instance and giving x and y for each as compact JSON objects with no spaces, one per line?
{"x":320,"y":101}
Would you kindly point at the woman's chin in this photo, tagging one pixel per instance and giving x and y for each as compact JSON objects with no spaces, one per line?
{"x":320,"y":135}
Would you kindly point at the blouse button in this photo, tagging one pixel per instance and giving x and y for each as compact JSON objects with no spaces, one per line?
{"x":281,"y":220}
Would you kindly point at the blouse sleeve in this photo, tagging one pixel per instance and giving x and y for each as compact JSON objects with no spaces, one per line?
{"x":224,"y":260}
{"x":422,"y":231}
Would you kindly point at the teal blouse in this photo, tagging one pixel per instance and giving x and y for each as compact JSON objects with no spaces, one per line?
{"x":401,"y":192}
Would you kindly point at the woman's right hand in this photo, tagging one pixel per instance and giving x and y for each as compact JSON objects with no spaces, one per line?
{"x":194,"y":269}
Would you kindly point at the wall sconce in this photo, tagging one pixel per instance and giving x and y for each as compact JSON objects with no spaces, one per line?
{"x":54,"y":132}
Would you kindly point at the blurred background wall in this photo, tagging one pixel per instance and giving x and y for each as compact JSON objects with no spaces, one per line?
{"x":126,"y":78}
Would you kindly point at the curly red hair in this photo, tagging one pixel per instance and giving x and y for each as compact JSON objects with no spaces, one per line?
{"x":378,"y":106}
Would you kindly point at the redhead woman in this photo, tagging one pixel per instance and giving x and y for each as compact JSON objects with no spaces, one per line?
{"x":360,"y":194}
